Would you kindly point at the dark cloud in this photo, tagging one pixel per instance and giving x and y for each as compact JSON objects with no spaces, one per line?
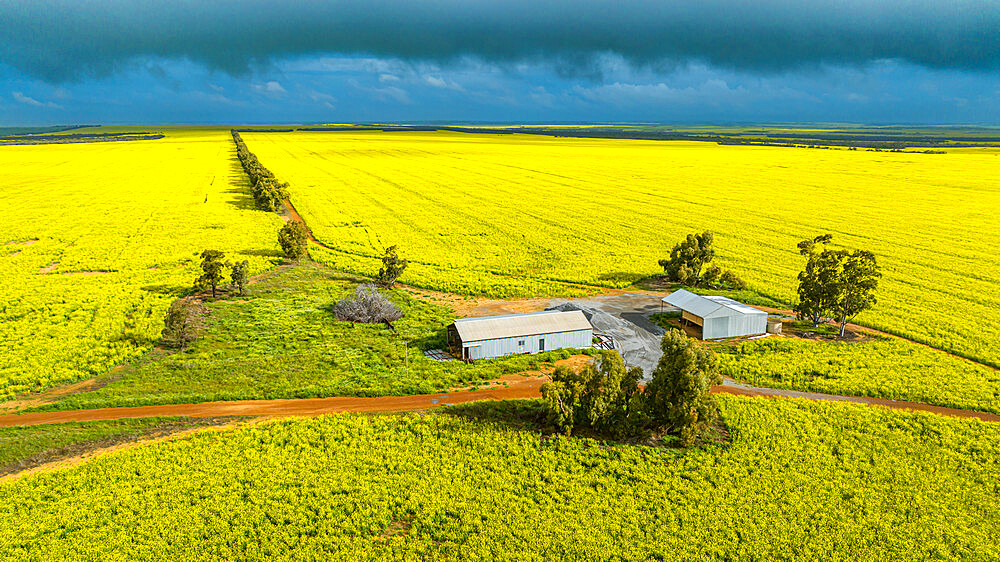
{"x":59,"y":40}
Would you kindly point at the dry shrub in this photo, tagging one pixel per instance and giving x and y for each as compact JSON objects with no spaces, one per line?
{"x":367,"y":305}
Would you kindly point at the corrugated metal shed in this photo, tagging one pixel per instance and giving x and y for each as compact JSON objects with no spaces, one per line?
{"x":497,"y":336}
{"x":722,"y":317}
{"x":515,"y":325}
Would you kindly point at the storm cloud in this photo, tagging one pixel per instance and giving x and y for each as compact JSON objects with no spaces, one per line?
{"x":59,"y":41}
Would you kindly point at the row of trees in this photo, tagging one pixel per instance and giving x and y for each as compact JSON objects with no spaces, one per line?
{"x":838,"y":284}
{"x":688,"y":261}
{"x":269,"y":195}
{"x":606,"y":397}
{"x":267,"y":191}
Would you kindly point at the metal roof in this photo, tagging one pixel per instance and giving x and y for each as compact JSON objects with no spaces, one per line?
{"x":515,"y":325}
{"x":708,"y":306}
{"x":735,"y":305}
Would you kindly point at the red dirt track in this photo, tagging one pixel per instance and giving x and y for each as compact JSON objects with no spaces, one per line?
{"x":528,"y":388}
{"x":523,"y":388}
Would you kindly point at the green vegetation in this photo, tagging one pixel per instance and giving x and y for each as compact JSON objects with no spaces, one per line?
{"x":884,"y":367}
{"x":604,"y":396}
{"x":800,"y":480}
{"x":688,"y":257}
{"x":212,"y":265}
{"x":835,"y":283}
{"x":240,"y":276}
{"x":24,"y":446}
{"x":293,"y":238}
{"x":268,"y":193}
{"x":182,"y":324}
{"x":679,"y":395}
{"x":392,"y":267}
{"x":282,"y":340}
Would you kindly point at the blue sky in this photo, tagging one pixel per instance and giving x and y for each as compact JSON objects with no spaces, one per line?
{"x":262,"y":61}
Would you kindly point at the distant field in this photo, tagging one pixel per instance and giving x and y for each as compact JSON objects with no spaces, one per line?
{"x":801,"y":480}
{"x":97,"y":239}
{"x":513,"y":215}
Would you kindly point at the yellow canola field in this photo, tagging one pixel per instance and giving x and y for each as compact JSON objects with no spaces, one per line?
{"x":97,"y":239}
{"x":513,"y":215}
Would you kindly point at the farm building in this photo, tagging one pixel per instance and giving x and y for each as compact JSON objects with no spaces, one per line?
{"x":496,"y":336}
{"x":718,"y":317}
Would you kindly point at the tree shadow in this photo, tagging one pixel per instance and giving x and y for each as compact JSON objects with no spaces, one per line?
{"x":168,"y":290}
{"x":277,"y":257}
{"x":527,"y":414}
{"x":240,"y":194}
{"x":437,"y":341}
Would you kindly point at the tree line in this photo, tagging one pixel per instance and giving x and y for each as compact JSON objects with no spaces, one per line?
{"x":267,"y":191}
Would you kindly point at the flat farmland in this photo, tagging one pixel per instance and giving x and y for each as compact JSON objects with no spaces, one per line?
{"x":97,"y":239}
{"x":518,"y":215}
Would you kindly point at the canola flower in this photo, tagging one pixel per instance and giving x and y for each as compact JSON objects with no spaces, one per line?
{"x":97,"y":239}
{"x":800,"y":480}
{"x":517,"y":215}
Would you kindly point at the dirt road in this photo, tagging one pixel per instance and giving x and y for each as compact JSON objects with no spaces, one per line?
{"x":517,"y":387}
{"x":526,"y":388}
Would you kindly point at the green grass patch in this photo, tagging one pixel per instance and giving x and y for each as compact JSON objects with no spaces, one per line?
{"x":882,"y":367}
{"x":26,"y":446}
{"x":800,"y":480}
{"x":282,"y":341}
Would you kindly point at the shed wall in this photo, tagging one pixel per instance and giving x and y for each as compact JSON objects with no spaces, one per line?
{"x":734,"y":326}
{"x":488,"y":349}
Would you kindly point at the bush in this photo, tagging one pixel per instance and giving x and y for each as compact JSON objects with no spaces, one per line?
{"x":181,"y":324}
{"x":679,"y":398}
{"x":730,"y":280}
{"x":602,"y":396}
{"x":392,"y":268}
{"x":367,"y":306}
{"x":605,"y":395}
{"x":293,"y":238}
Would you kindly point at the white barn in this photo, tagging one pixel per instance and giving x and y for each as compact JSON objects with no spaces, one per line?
{"x":496,"y":336}
{"x":718,"y":317}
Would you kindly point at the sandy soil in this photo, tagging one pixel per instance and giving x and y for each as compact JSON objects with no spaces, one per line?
{"x":24,"y":243}
{"x":48,"y":268}
{"x":469,"y":306}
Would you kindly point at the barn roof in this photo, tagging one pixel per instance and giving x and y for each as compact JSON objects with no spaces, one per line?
{"x":515,"y":325}
{"x":708,"y":306}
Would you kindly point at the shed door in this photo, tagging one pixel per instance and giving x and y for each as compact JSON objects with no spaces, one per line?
{"x":718,"y":328}
{"x":541,"y":344}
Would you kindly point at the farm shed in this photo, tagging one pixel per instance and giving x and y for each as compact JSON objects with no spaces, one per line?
{"x":497,"y":336}
{"x":718,"y":317}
